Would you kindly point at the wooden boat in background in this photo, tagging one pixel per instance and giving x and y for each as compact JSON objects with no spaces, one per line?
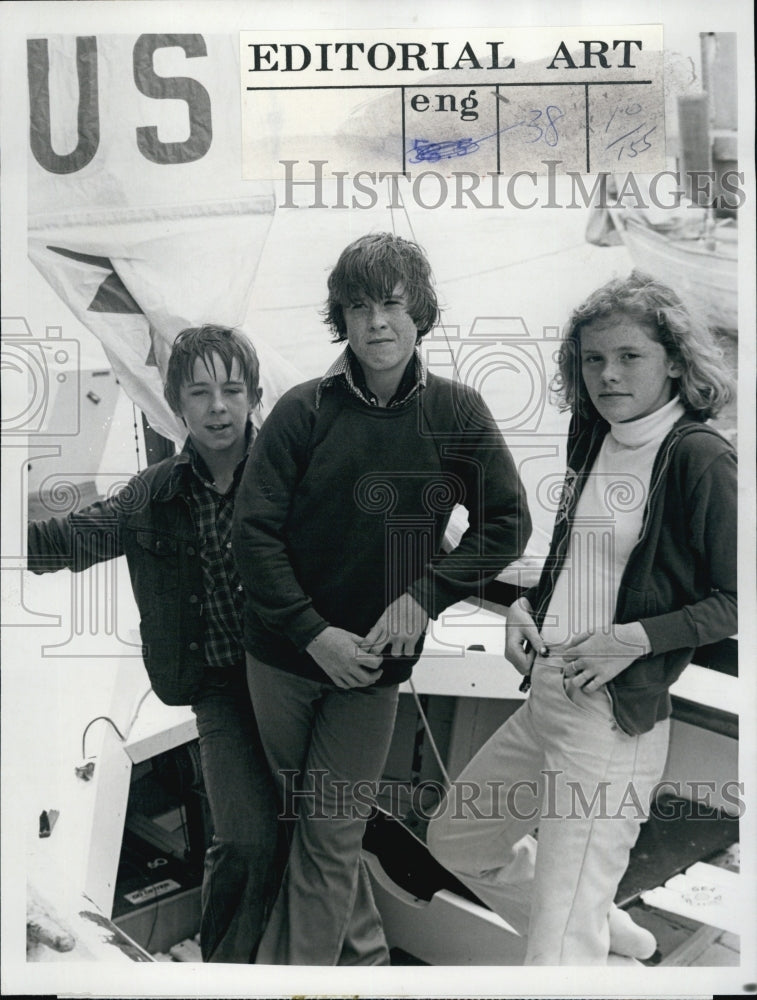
{"x":692,"y":247}
{"x":701,"y":266}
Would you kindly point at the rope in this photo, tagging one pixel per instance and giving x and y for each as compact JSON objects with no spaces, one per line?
{"x":106,"y":718}
{"x":430,"y":735}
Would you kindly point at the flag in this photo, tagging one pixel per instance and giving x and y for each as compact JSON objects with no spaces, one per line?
{"x":138,"y":215}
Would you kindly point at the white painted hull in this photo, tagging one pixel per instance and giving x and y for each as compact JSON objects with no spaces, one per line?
{"x":703,"y":271}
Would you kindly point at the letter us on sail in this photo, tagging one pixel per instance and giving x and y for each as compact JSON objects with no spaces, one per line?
{"x":198,"y":130}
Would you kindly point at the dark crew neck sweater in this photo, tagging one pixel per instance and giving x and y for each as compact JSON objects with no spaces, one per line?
{"x":343,"y":506}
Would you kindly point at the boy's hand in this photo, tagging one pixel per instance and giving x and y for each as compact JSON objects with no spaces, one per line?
{"x":521,"y":628}
{"x":401,"y":624}
{"x":593,"y":659}
{"x":339,"y":654}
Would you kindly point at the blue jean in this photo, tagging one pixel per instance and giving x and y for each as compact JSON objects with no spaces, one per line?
{"x":330,"y":740}
{"x":561,"y":763}
{"x":242,"y":866}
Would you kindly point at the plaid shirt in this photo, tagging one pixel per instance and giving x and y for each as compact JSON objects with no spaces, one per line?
{"x":224,"y":596}
{"x":346,"y":369}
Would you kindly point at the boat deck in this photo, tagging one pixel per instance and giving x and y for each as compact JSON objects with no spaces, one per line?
{"x":681,"y":941}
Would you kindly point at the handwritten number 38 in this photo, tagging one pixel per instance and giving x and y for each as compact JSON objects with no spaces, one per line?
{"x":548,"y":132}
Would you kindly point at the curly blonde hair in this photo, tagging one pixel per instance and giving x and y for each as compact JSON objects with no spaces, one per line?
{"x":704,"y":385}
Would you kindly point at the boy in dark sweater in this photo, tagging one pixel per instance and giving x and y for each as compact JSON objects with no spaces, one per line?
{"x":337,"y":536}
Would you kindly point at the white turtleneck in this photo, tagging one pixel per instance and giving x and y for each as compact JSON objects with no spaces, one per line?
{"x":606,"y":526}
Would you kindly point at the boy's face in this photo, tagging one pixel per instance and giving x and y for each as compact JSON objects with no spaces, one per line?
{"x":626,"y":371}
{"x":215,"y":406}
{"x":381,"y":333}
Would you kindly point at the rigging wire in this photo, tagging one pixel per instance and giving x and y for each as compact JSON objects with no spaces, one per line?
{"x":422,"y":714}
{"x":411,"y":229}
{"x":434,"y":748}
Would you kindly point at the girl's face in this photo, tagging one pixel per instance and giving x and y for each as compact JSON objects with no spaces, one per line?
{"x":626,"y":371}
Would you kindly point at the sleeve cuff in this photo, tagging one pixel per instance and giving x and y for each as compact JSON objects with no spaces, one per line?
{"x":432,"y":596}
{"x":309,"y":625}
{"x":670,"y":631}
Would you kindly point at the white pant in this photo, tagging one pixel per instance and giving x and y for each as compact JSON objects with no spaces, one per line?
{"x":560,"y":763}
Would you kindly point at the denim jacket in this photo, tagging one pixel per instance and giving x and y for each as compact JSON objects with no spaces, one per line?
{"x":680,"y":579}
{"x":149,"y":522}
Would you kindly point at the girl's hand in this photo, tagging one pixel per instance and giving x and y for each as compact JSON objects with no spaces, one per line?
{"x":521,"y":629}
{"x":594,"y":659}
